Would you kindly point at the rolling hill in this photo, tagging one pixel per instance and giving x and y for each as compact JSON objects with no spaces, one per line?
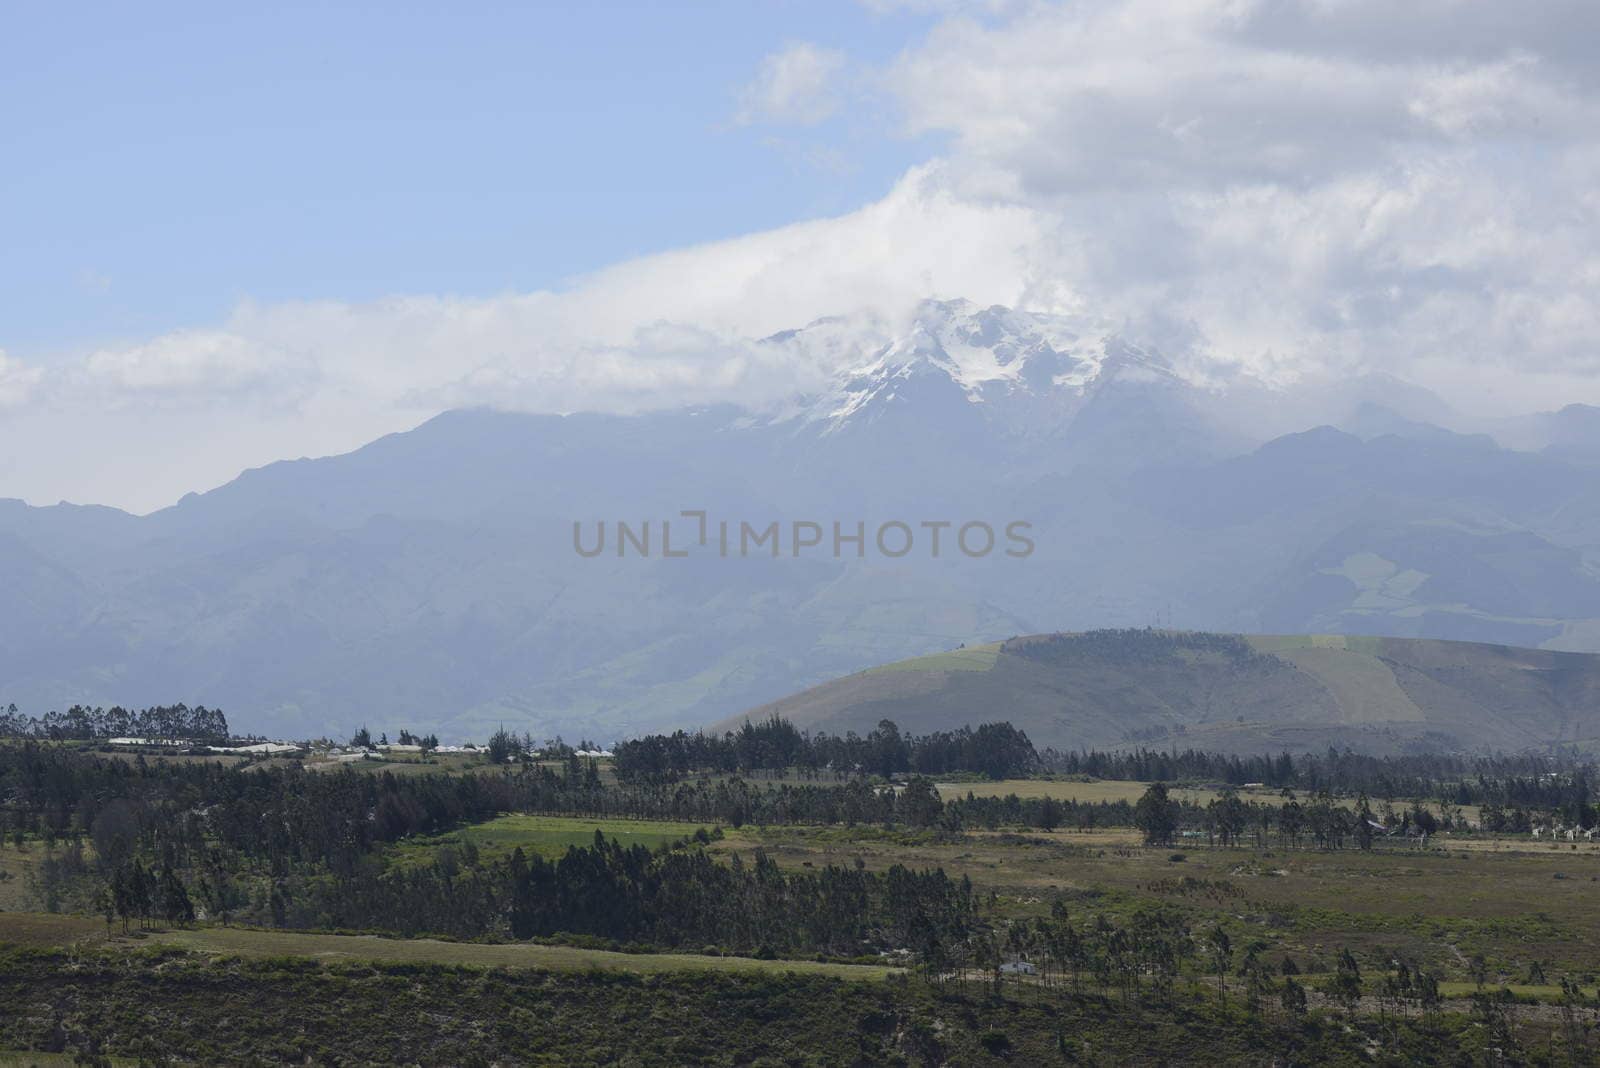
{"x":1226,"y":692}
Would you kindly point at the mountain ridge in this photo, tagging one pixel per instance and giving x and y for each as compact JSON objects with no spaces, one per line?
{"x":430,"y":576}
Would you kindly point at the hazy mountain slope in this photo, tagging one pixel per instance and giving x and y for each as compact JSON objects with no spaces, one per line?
{"x":1237,"y":693}
{"x":430,"y":577}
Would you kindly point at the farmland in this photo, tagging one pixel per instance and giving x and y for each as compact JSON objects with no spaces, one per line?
{"x":548,"y":836}
{"x":243,"y":942}
{"x":1441,"y":909}
{"x":273,"y":884}
{"x":1514,"y":903}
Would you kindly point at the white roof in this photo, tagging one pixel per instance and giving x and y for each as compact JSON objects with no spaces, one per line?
{"x":268,"y":748}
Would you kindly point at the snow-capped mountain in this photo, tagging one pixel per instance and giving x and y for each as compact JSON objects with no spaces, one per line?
{"x":992,"y":356}
{"x":431,"y":577}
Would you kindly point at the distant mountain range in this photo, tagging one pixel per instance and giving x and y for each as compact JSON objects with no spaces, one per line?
{"x":1227,"y":693}
{"x":430,"y":579}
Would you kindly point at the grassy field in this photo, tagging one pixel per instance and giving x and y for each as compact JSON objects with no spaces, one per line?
{"x":1112,"y":790}
{"x":1514,"y":905}
{"x":41,"y":929}
{"x":547,"y":836}
{"x":15,"y":868}
{"x":975,"y":658}
{"x":235,"y":941}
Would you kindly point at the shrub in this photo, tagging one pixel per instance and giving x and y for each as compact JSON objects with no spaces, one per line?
{"x":998,"y":1043}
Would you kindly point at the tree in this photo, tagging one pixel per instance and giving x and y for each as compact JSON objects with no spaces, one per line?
{"x":1291,"y":819}
{"x":1293,"y":998}
{"x":919,"y":802}
{"x":1049,"y":814}
{"x":175,"y":904}
{"x":114,"y":832}
{"x":1156,"y":815}
{"x":1230,"y":815}
{"x":1221,"y":947}
{"x":140,"y":888}
{"x":888,"y":752}
{"x":502,"y":746}
{"x":362,"y":739}
{"x":1345,"y":986}
{"x":1423,"y":820}
{"x":104,"y":905}
{"x":1258,"y":981}
{"x":1364,"y":822}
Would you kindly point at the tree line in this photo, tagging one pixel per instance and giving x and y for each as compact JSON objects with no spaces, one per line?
{"x":675,"y":897}
{"x":1139,"y":645}
{"x":79,"y":723}
{"x":996,"y":750}
{"x":286,"y":814}
{"x":1536,"y":780}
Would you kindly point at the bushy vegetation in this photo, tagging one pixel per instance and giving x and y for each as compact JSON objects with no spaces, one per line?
{"x":1139,"y":645}
{"x":168,"y":1007}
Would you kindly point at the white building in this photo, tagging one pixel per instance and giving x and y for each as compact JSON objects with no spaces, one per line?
{"x":259,"y":749}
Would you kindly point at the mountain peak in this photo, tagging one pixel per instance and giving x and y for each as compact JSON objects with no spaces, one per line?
{"x":981,"y":355}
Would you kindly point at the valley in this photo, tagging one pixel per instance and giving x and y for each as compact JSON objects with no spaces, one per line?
{"x":1398,"y":904}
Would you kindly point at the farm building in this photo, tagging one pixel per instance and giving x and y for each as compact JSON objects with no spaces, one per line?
{"x":258,"y":749}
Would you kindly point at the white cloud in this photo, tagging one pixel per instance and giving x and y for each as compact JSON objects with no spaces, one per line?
{"x":1184,"y":93}
{"x":796,"y":85}
{"x":277,"y":380}
{"x":197,"y":365}
{"x":17,"y":382}
{"x":1296,"y":185}
{"x":1301,"y":184}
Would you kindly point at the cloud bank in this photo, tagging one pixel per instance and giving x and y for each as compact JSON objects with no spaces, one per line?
{"x":1287,"y":185}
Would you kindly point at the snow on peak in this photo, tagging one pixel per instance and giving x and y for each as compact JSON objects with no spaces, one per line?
{"x":988,"y":354}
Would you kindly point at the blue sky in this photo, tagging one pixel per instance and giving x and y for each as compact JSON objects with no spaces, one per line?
{"x":166,"y":161}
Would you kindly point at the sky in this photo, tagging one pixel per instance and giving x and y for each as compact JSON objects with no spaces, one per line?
{"x":230,"y":237}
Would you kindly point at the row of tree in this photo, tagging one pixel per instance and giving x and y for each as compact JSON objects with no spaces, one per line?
{"x":997,"y":750}
{"x":79,"y":723}
{"x":676,"y":897}
{"x":1321,"y":821}
{"x":1531,"y":780}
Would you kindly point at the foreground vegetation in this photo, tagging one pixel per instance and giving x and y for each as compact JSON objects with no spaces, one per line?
{"x":166,"y":1005}
{"x":1041,"y":920}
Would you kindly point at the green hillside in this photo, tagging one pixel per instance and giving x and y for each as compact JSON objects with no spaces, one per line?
{"x":1227,"y":692}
